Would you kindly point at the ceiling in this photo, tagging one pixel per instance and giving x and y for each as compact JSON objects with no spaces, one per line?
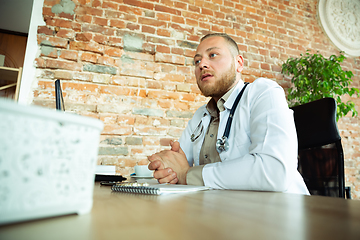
{"x":15,"y":15}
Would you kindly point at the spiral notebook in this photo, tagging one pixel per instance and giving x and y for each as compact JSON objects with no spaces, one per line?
{"x":158,"y":189}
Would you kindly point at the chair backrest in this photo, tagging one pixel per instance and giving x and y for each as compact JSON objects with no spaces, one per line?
{"x":321,"y":158}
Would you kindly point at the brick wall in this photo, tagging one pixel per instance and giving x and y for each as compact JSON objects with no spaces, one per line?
{"x":129,"y":64}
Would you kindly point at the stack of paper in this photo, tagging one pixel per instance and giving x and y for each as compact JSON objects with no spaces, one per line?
{"x":105,"y":170}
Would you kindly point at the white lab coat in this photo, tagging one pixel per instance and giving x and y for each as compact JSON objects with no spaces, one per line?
{"x":263,"y":142}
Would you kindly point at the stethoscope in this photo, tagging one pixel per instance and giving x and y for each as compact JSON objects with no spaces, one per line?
{"x":222,"y":143}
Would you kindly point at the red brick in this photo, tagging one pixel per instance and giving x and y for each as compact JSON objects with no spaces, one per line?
{"x":164,"y":17}
{"x":159,"y":57}
{"x":262,"y":38}
{"x":154,"y":85}
{"x":161,"y":8}
{"x":113,"y":14}
{"x":163,"y":32}
{"x":275,"y":68}
{"x":110,"y":5}
{"x":96,"y":3}
{"x":85,"y":37}
{"x":151,"y":22}
{"x":89,"y":57}
{"x":254,"y":65}
{"x":98,"y":29}
{"x":194,"y":9}
{"x":219,"y":15}
{"x":181,"y":5}
{"x":106,"y":60}
{"x":46,"y":84}
{"x":84,"y":10}
{"x":69,"y":55}
{"x":148,"y":29}
{"x":59,"y":64}
{"x":163,"y":95}
{"x":127,"y":9}
{"x":99,"y":38}
{"x":230,"y":31}
{"x":84,"y":18}
{"x":66,"y":33}
{"x":91,"y":46}
{"x":45,"y":30}
{"x":83,"y":87}
{"x":179,"y":51}
{"x":162,"y":49}
{"x":50,"y":3}
{"x":114,"y":52}
{"x":216,"y":28}
{"x":58,"y":22}
{"x":133,"y":26}
{"x":47,"y":12}
{"x":192,"y":22}
{"x":40,"y":62}
{"x":206,"y":11}
{"x":100,"y":21}
{"x":66,"y":15}
{"x":117,"y":23}
{"x":126,"y":120}
{"x":82,"y":2}
{"x":187,"y":97}
{"x":114,"y":129}
{"x":115,"y":41}
{"x":117,"y":90}
{"x":52,"y":54}
{"x":54,"y":41}
{"x":204,"y":25}
{"x":265,"y":66}
{"x":139,"y":3}
{"x":63,"y":74}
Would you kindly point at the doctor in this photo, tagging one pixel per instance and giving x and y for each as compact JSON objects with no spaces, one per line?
{"x":244,"y":138}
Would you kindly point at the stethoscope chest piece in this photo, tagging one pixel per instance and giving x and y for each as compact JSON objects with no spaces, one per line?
{"x":222,"y":144}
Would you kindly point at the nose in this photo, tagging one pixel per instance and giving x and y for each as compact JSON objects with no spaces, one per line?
{"x":203,"y":64}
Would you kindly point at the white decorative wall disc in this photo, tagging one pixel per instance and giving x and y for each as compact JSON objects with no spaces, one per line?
{"x":340,"y":20}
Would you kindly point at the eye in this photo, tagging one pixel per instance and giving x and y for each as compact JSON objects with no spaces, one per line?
{"x":196,"y":61}
{"x":212,"y":55}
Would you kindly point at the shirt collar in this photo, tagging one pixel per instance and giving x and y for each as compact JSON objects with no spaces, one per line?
{"x":223,"y":99}
{"x":214,"y":108}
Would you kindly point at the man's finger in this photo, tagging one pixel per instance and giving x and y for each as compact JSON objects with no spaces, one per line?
{"x":174,"y":181}
{"x":166,"y":173}
{"x":156,"y":165}
{"x":169,"y":179}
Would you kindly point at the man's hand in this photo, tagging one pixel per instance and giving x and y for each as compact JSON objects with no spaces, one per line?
{"x":162,"y":174}
{"x":170,"y":165}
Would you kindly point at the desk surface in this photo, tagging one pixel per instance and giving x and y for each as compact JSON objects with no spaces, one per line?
{"x":214,"y":214}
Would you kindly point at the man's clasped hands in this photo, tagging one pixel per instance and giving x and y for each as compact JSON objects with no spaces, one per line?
{"x":171,"y":166}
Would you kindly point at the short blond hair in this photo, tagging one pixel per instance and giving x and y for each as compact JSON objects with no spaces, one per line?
{"x":233,"y":47}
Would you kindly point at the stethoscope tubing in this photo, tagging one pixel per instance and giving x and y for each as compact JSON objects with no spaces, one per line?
{"x":222,"y":144}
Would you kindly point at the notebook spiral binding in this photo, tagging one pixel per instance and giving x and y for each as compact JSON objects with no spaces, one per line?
{"x":136,"y":189}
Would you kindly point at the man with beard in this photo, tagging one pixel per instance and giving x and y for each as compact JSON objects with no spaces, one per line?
{"x":244,"y":138}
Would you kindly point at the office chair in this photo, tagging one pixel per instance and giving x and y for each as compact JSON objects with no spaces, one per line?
{"x":320,"y":153}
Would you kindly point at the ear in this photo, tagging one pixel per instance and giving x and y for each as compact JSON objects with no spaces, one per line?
{"x":239,"y":63}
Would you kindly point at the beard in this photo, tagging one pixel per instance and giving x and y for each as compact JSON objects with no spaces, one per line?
{"x":221,"y":85}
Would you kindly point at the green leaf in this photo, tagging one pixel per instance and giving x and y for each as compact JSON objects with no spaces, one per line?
{"x":315,"y":77}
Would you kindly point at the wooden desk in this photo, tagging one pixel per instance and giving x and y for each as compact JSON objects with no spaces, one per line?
{"x":211,"y":214}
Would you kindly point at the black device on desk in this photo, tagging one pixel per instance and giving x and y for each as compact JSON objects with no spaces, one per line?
{"x":108,"y":178}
